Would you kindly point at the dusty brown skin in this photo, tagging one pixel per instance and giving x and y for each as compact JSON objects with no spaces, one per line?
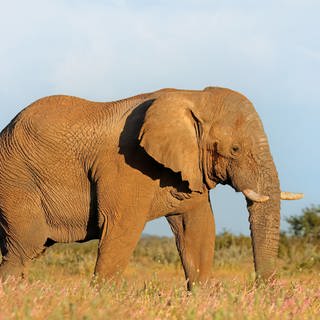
{"x":75,"y":170}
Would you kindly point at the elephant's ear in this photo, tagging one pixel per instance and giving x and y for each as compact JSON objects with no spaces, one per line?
{"x":171,"y":135}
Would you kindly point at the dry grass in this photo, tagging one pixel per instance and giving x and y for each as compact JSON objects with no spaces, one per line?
{"x":58,"y":286}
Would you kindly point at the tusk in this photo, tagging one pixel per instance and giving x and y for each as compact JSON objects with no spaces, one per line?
{"x":253,"y":196}
{"x":291,"y":196}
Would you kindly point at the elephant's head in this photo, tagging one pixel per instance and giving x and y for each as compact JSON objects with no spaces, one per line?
{"x":216,"y":136}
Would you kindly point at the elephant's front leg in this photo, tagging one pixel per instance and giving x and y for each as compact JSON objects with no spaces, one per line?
{"x":122,"y":225}
{"x":119,"y":238}
{"x":195,"y":236}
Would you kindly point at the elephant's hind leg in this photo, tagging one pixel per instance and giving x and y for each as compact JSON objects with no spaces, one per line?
{"x":18,"y":251}
{"x":23,"y":237}
{"x":11,"y":265}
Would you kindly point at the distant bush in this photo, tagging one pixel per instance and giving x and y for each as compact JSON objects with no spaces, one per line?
{"x":229,"y":248}
{"x":233,"y":251}
{"x":307,"y":225}
{"x":159,"y":249}
{"x":226,"y":240}
{"x":299,"y":253}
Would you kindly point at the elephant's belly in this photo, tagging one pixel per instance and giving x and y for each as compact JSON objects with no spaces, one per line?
{"x":75,"y":229}
{"x":66,"y":235}
{"x":72,"y":218}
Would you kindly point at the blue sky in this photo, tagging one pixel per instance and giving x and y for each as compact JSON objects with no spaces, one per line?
{"x":105,"y":50}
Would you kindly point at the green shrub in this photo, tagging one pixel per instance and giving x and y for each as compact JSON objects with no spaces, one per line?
{"x":307,"y":225}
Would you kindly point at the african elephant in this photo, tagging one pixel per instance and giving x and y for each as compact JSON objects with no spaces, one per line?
{"x":76,"y":170}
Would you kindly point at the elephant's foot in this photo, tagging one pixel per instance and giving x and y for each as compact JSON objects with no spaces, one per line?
{"x":198,"y":282}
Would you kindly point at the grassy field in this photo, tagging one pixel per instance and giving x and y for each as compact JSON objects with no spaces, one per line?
{"x":153,"y":287}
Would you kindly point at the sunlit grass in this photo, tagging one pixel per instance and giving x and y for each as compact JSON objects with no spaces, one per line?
{"x":153,"y":287}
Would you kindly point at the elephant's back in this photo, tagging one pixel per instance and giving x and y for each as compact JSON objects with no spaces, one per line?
{"x":55,"y":119}
{"x":51,"y":129}
{"x":58,"y":109}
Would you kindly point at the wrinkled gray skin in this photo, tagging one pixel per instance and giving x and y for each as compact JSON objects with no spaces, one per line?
{"x":75,"y":170}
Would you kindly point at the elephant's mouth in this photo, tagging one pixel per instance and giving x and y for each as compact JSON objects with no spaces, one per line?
{"x":252,"y":195}
{"x":212,"y":178}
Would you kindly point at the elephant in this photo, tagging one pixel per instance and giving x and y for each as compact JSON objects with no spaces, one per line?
{"x":73,"y":170}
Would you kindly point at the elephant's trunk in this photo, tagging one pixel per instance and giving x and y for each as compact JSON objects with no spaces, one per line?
{"x":265,"y":217}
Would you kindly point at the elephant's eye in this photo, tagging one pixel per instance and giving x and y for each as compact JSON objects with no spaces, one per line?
{"x":235,"y":150}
